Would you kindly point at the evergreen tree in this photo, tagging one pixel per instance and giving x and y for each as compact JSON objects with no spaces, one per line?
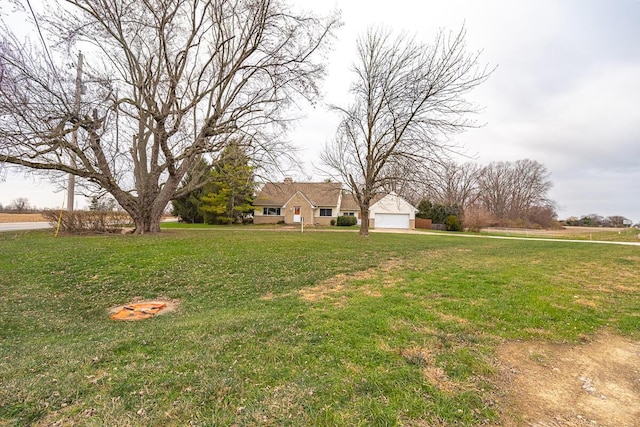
{"x":424,"y":209}
{"x":436,"y":212}
{"x":99,"y":204}
{"x":230,"y":196}
{"x":187,"y":207}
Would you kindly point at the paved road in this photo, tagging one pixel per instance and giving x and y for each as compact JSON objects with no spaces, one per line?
{"x":17,"y":226}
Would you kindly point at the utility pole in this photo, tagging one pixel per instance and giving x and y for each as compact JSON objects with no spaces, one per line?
{"x":71,"y":186}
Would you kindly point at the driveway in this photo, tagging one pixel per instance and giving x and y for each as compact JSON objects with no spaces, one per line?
{"x":18,"y":226}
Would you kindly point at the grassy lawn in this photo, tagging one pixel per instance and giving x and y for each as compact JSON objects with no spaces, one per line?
{"x":280,"y":328}
{"x":570,"y":233}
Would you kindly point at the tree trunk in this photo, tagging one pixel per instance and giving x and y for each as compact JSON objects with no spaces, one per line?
{"x":146,"y":217}
{"x":146,"y":224}
{"x":364,"y":222}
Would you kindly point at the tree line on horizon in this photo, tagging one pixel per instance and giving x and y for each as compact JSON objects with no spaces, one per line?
{"x":501,"y":193}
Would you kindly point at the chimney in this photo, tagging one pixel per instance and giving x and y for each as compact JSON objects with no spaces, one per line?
{"x":288,"y":180}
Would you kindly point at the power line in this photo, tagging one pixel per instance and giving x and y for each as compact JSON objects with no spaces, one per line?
{"x":46,"y":49}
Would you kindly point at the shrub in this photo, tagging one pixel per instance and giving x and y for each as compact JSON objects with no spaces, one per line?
{"x":346,"y":221}
{"x":453,"y":223}
{"x":477,"y":218}
{"x":88,"y":221}
{"x":332,"y":222}
{"x":224,"y":220}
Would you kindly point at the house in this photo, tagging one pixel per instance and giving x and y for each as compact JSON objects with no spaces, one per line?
{"x":317,"y":203}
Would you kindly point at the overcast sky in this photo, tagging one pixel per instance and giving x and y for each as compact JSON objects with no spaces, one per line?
{"x":565,"y":92}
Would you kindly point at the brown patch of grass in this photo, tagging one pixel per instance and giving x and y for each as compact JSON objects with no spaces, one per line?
{"x":586,"y":302}
{"x":371,"y":293}
{"x":338,"y":284}
{"x":439,"y":378}
{"x":602,"y":278}
{"x":66,"y":417}
{"x":268,"y":297}
{"x":452,"y":318}
{"x":285,"y":401}
{"x":435,"y":375}
{"x":326,"y":288}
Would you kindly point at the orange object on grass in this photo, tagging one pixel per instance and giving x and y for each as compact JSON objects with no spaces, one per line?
{"x":138,"y":311}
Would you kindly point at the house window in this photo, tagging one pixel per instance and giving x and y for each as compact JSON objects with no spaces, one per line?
{"x":325,"y":212}
{"x":348,"y":214}
{"x":271,"y":211}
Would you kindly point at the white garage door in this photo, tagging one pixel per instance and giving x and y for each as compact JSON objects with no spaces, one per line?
{"x":392,"y":221}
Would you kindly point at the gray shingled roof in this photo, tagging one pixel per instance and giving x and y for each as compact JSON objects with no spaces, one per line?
{"x":318,"y":193}
{"x":349,"y":202}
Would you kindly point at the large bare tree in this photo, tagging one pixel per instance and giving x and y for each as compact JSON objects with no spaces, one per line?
{"x":166,"y":83}
{"x":408,"y":98}
{"x":510,"y":190}
{"x":452,"y":184}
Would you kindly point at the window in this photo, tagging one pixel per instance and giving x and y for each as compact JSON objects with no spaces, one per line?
{"x":348,"y":214}
{"x":271,"y":211}
{"x":325,"y":212}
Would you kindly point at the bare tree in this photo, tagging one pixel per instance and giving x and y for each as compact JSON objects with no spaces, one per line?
{"x":408,"y":97}
{"x":616,"y":221}
{"x":20,"y":205}
{"x":495,"y":188}
{"x":453,"y":184}
{"x":511,"y":190}
{"x":168,"y":82}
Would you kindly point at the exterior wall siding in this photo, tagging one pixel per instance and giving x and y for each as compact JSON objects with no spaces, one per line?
{"x":267,"y":219}
{"x":324,"y":220}
{"x":305,"y":209}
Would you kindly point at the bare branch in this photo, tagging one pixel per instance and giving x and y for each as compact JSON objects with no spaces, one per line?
{"x":408,"y":99}
{"x":170,"y":82}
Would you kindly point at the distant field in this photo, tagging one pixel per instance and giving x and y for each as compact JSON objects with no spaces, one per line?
{"x":30,"y":217}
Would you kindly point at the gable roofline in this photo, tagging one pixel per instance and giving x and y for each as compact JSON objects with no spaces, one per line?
{"x":393,"y":195}
{"x":317,"y":193}
{"x":303,"y":195}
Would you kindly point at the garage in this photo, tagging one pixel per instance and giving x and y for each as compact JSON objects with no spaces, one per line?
{"x":387,"y":220}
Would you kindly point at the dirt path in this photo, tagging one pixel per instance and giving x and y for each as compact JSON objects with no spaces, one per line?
{"x":592,"y":384}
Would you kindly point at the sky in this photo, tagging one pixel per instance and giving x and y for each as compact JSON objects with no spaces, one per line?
{"x":565,"y":92}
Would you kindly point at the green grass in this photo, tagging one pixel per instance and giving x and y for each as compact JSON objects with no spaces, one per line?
{"x":603,"y":235}
{"x":282,"y":328}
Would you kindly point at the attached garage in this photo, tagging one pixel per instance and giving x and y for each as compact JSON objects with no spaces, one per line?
{"x":392,"y":211}
{"x":387,"y":220}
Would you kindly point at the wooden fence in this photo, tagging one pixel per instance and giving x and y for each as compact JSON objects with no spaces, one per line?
{"x":423,"y":223}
